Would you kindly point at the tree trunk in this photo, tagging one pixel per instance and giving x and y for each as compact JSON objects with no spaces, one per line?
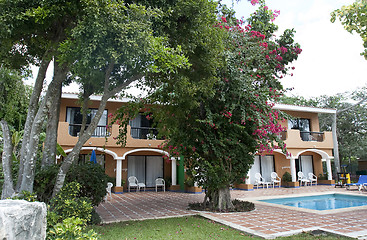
{"x":220,"y":199}
{"x":29,"y":164}
{"x":8,"y":187}
{"x":32,"y":110}
{"x":50,"y":145}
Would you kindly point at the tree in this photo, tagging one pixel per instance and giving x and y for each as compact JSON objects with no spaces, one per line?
{"x":104,"y":45}
{"x":353,"y":17}
{"x":218,"y":129}
{"x":13,"y":103}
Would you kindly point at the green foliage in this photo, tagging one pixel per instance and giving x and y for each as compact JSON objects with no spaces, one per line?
{"x":25,"y":195}
{"x":90,"y":176}
{"x":287,"y":177}
{"x":68,"y":203}
{"x":44,"y":182}
{"x":14,"y":98}
{"x":70,"y":229}
{"x":323,"y":176}
{"x":354,"y":19}
{"x":92,"y":179}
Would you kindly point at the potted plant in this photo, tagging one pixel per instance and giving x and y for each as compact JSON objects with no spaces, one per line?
{"x":287,"y":180}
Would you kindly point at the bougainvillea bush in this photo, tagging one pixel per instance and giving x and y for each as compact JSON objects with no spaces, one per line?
{"x":219,"y":129}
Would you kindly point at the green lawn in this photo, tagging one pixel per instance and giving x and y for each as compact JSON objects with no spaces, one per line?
{"x":179,"y":228}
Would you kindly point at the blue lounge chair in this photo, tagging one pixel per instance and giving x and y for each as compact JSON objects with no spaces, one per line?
{"x":362,"y":182}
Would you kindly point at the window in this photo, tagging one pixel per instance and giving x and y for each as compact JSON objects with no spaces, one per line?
{"x":301,"y":124}
{"x":141,"y":128}
{"x":74,"y":117}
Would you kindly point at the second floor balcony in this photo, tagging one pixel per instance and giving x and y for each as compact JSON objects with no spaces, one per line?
{"x":100,"y":131}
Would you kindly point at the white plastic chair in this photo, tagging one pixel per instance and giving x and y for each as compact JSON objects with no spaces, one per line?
{"x":133,"y":182}
{"x":302,"y":179}
{"x":275,"y":179}
{"x":259,"y":180}
{"x":108,"y":189}
{"x":159,"y":182}
{"x":312,"y":177}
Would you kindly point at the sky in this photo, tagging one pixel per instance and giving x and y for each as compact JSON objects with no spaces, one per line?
{"x":330,"y":62}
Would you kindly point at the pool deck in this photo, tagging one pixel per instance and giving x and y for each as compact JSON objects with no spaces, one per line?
{"x":267,"y":221}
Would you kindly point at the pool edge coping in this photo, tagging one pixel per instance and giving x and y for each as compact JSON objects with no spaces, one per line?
{"x":256,"y":200}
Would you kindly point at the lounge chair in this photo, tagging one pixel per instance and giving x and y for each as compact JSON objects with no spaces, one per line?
{"x":133,"y":182}
{"x":362,"y":182}
{"x":302,"y":179}
{"x":312,"y":177}
{"x":275,"y":179}
{"x":259,"y":180}
{"x":159,"y":182}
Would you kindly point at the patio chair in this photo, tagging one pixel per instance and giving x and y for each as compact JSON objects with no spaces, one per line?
{"x":108,"y":189}
{"x":302,"y":179}
{"x":159,"y":182}
{"x":259,"y":180}
{"x":275,"y":179}
{"x":312,"y":177}
{"x":362,"y":182}
{"x":133,"y":182}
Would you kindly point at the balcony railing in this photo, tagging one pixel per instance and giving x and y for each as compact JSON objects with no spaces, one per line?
{"x":100,"y":131}
{"x":144,"y":133}
{"x":312,"y":136}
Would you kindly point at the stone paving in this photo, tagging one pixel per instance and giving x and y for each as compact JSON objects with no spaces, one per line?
{"x":265,"y":221}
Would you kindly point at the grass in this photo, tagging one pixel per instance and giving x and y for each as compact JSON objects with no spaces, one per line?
{"x":192,"y":227}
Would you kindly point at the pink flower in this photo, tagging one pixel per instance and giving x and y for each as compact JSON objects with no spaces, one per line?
{"x":254,"y":2}
{"x":279,"y":58}
{"x":224,"y":19}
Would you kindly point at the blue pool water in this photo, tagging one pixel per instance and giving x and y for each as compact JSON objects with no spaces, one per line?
{"x":321,"y":202}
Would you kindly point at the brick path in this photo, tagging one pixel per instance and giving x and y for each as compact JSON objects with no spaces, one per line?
{"x":266,"y":221}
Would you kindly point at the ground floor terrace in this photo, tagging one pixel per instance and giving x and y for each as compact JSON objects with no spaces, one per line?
{"x":148,"y":164}
{"x":265,"y":221}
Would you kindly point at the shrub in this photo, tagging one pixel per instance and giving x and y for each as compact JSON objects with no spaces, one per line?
{"x":44,"y":182}
{"x":25,"y":195}
{"x":92,"y":178}
{"x":71,"y":228}
{"x":67,"y":203}
{"x":287,"y":177}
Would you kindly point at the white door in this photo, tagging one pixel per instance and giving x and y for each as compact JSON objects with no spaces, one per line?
{"x":306,"y":165}
{"x":136,"y":167}
{"x":255,"y":168}
{"x":154,"y":169}
{"x":267,"y":167}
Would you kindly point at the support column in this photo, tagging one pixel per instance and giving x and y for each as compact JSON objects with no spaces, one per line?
{"x":247,"y":181}
{"x":293,"y":169}
{"x":118,"y":172}
{"x":174,"y":171}
{"x":328,"y":169}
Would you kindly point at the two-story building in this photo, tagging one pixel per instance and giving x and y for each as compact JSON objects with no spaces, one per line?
{"x":141,"y":157}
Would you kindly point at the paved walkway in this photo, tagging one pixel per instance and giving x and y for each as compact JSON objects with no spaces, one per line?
{"x":265,"y":221}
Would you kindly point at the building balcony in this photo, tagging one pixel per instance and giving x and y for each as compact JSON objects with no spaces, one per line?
{"x":303,"y":139}
{"x":102,"y":137}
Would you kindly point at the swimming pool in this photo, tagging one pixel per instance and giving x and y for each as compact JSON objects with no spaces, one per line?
{"x":321,"y":202}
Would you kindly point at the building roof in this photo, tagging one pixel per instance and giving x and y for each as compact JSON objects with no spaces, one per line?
{"x":278,"y":106}
{"x":288,"y":107}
